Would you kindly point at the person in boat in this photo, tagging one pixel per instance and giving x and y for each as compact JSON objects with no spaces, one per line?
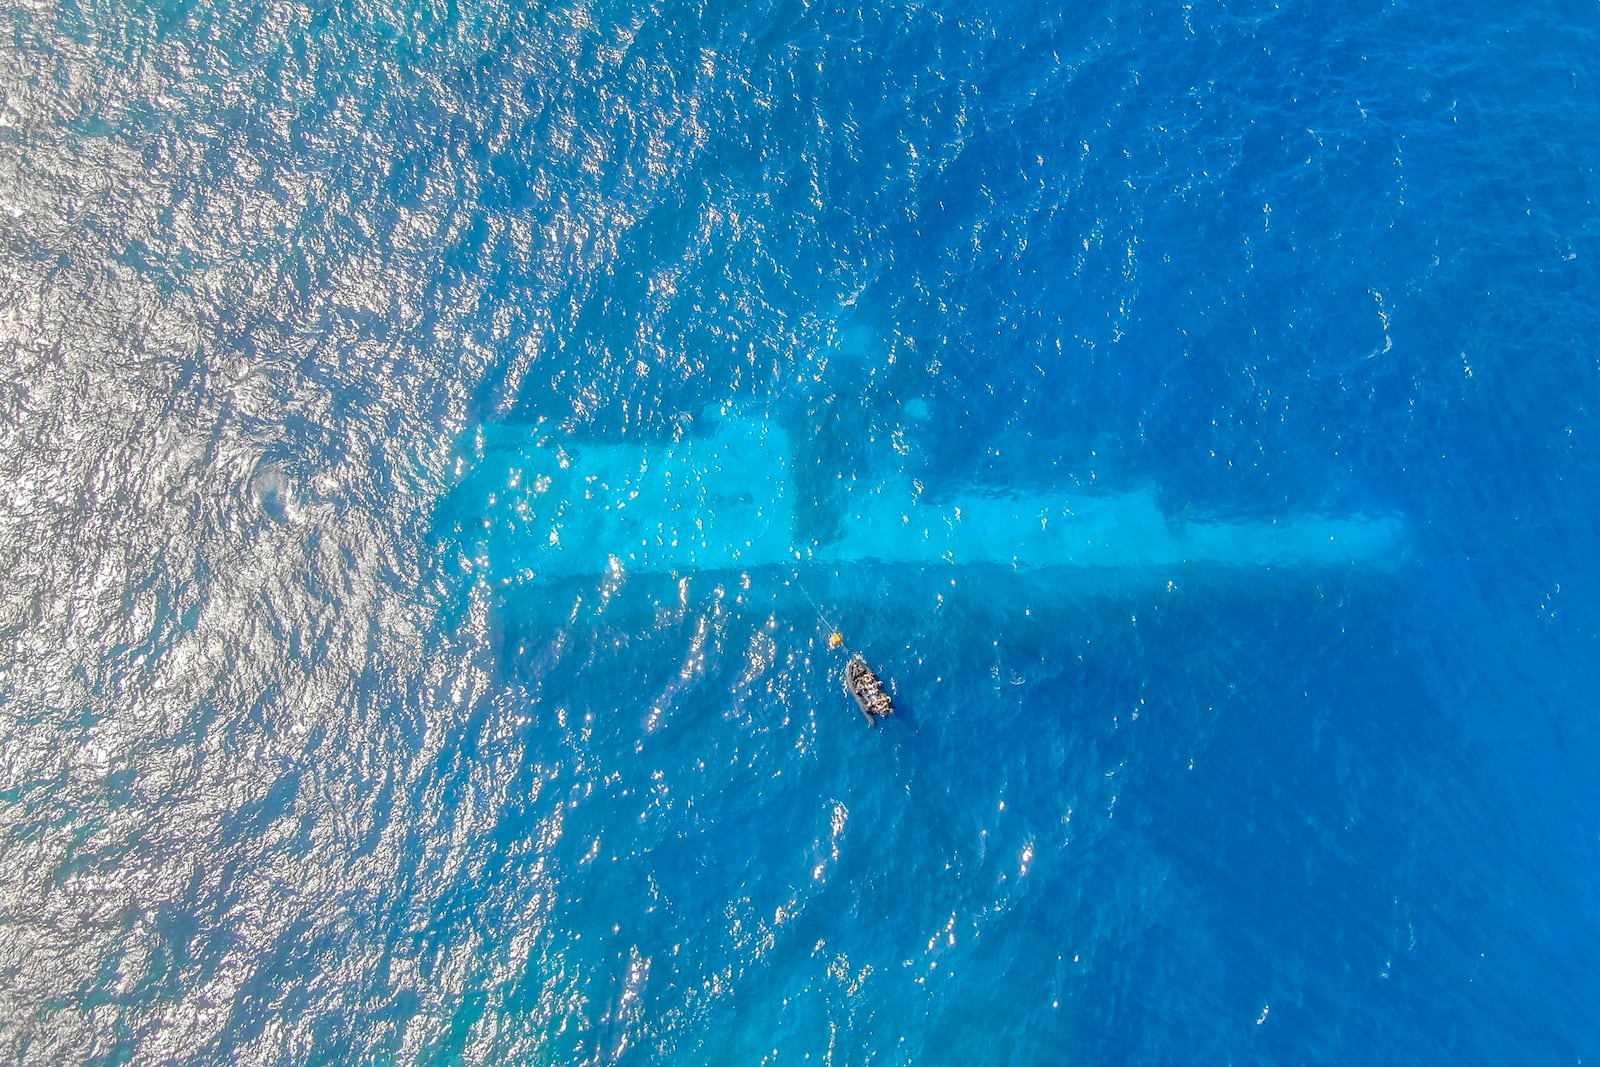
{"x":861,"y":683}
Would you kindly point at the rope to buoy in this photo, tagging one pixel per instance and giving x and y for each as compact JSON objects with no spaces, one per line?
{"x":835,"y":635}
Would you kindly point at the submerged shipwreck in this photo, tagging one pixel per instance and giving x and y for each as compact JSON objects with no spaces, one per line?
{"x":534,"y":505}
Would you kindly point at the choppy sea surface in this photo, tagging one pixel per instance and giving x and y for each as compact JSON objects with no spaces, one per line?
{"x":437,"y":442}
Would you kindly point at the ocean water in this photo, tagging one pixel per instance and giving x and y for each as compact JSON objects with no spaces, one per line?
{"x":438,"y":440}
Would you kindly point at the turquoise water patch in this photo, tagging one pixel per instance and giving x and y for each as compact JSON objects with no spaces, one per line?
{"x":536,"y":504}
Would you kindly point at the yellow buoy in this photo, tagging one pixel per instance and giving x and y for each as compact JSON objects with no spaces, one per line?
{"x":835,"y":640}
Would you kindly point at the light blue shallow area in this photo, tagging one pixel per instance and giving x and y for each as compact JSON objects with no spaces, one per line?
{"x":438,"y":442}
{"x":537,"y":507}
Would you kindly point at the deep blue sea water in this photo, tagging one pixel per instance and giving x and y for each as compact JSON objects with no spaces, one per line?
{"x":352,"y":352}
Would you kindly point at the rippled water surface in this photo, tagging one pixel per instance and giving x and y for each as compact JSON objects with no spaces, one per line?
{"x":437,"y":442}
